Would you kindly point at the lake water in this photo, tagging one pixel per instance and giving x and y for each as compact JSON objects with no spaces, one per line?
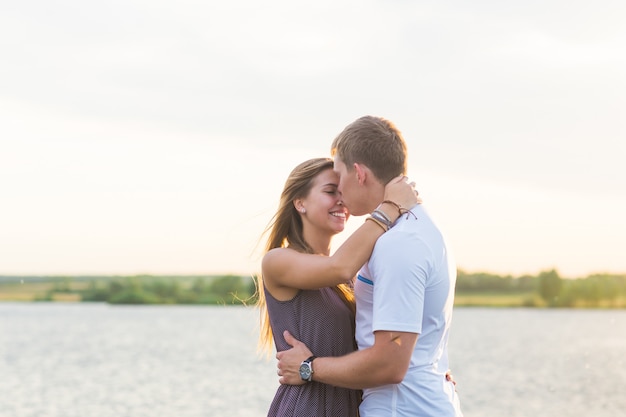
{"x":97,"y":360}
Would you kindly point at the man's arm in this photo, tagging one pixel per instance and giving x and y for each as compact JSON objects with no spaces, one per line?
{"x":386,"y":362}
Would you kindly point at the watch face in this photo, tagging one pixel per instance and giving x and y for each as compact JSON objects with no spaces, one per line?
{"x":305,"y":371}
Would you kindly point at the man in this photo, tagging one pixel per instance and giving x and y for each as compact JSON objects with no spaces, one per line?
{"x":404,"y":293}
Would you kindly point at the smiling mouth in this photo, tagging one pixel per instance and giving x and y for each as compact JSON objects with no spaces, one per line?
{"x":340,"y":214}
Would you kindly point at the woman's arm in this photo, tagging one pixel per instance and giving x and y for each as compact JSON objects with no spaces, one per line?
{"x":283,"y":267}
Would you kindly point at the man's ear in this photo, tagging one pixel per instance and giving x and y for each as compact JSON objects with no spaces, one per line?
{"x":361,"y":173}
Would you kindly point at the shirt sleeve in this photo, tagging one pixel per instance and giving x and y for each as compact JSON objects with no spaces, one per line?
{"x":400,"y":266}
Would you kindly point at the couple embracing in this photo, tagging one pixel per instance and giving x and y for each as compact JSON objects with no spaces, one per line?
{"x":363,"y":331}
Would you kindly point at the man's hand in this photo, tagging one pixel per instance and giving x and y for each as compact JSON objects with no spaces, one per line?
{"x":289,"y":361}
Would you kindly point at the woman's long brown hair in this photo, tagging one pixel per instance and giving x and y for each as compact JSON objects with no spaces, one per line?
{"x":285,"y":230}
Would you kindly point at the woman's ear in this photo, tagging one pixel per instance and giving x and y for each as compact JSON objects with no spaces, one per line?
{"x":299,"y":206}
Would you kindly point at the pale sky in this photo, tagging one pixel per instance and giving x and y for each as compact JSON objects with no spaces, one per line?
{"x":155,"y":137}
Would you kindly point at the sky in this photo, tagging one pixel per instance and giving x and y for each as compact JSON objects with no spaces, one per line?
{"x":154,"y":137}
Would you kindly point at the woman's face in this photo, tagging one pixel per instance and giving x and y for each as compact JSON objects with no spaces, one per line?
{"x":324,"y":208}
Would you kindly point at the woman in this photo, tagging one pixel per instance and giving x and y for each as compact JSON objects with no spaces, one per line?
{"x":310,"y":295}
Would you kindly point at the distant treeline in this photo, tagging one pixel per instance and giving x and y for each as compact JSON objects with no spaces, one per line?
{"x":144,"y":289}
{"x":478,"y":288}
{"x":597,"y":290}
{"x":228,"y":289}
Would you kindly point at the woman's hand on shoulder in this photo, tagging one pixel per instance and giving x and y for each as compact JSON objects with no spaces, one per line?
{"x":401,"y":192}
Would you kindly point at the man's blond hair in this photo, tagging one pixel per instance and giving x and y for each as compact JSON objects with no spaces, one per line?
{"x":374,"y":142}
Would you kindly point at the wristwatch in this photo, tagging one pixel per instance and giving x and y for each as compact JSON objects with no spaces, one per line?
{"x":306,"y":369}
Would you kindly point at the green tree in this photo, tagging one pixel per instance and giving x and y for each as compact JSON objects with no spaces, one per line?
{"x":229,"y":288}
{"x":550,"y":285}
{"x":63,"y":284}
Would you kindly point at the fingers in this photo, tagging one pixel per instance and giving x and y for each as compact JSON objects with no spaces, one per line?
{"x":396,"y":179}
{"x":450,"y":378}
{"x":291,"y":341}
{"x":402,"y":178}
